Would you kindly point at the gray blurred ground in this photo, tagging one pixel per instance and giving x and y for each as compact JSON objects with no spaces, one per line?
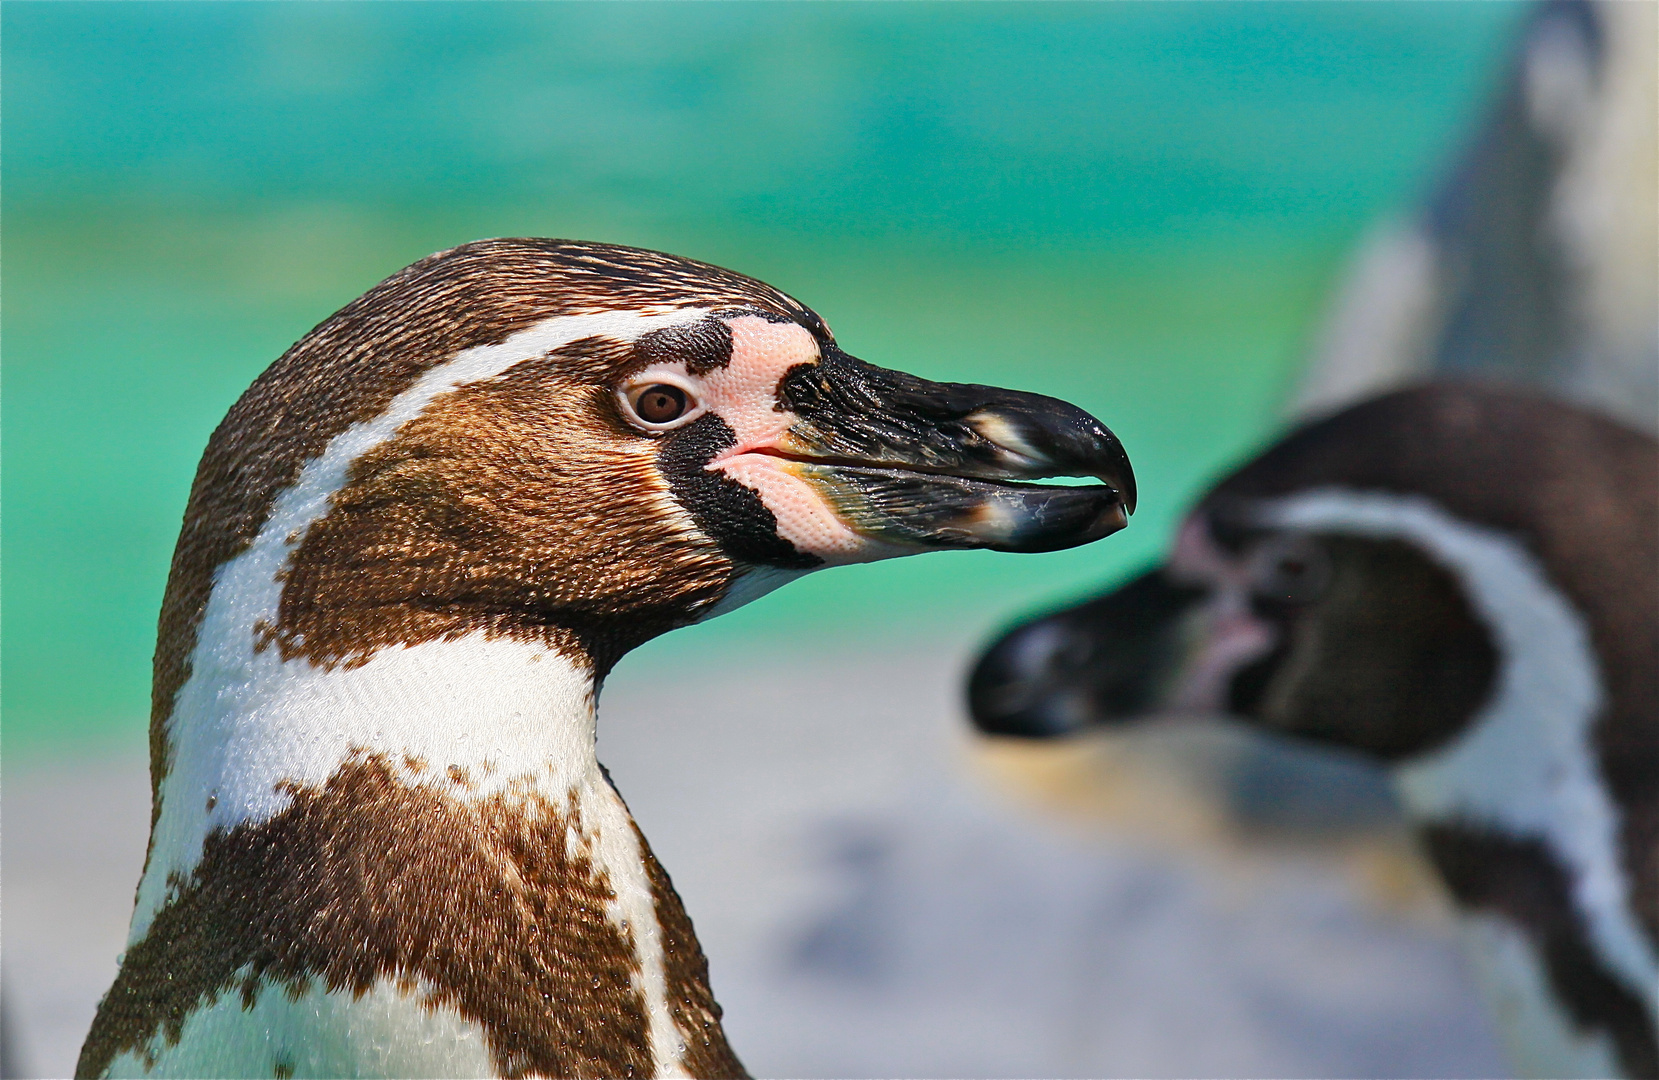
{"x":871,"y":905}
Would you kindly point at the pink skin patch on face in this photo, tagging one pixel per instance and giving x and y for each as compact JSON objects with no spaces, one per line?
{"x":1227,"y":634}
{"x":745,"y":392}
{"x":744,"y":395}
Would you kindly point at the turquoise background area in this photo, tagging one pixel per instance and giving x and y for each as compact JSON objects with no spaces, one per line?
{"x":1139,"y":207}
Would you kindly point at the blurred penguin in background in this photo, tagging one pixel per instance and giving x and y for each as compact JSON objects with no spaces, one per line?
{"x":1449,"y":569}
{"x":1534,"y":263}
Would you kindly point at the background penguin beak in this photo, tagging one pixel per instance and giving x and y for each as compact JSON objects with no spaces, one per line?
{"x":903,"y":460}
{"x":1108,"y":661}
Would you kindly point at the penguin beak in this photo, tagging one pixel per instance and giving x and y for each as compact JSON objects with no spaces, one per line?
{"x":1108,"y":661}
{"x":906,"y":463}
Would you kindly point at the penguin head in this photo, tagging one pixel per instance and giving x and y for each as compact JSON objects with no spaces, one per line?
{"x":592,"y":445}
{"x":1356,"y":640}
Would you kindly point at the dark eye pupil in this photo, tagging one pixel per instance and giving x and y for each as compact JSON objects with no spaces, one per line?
{"x":661,"y":403}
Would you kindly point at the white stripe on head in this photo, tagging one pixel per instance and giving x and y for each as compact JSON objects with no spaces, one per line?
{"x":1527,"y":765}
{"x":247,"y":589}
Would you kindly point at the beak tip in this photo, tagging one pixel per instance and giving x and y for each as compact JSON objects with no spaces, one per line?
{"x":1122,"y":482}
{"x":1124,"y":477}
{"x":1126,"y":490}
{"x":1104,"y":451}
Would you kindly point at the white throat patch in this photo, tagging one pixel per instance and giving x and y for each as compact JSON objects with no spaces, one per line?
{"x":1527,"y":765}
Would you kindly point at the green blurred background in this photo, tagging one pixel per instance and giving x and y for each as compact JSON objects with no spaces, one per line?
{"x":1139,"y":207}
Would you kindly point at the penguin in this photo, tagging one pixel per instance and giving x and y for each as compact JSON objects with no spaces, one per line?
{"x":1531,"y":261}
{"x":381,"y":842}
{"x":1460,"y":582}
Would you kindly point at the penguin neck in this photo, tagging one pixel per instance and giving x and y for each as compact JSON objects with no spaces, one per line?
{"x":476,"y":718}
{"x":1523,"y":780}
{"x":425,"y":787}
{"x":1527,"y":767}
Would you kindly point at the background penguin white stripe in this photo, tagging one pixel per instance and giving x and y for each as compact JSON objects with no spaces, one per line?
{"x":1526,"y":764}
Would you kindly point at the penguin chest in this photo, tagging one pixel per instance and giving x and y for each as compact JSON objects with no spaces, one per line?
{"x":380,"y":925}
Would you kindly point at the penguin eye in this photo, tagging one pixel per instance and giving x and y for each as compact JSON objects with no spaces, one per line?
{"x":657,"y":406}
{"x":1292,"y":570}
{"x":660,"y":403}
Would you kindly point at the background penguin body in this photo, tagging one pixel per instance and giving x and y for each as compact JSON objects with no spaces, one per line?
{"x":1531,"y":264}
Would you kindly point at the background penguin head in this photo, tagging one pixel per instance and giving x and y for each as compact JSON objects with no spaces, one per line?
{"x":1305,"y":593}
{"x":579,"y":439}
{"x":1363,"y":642}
